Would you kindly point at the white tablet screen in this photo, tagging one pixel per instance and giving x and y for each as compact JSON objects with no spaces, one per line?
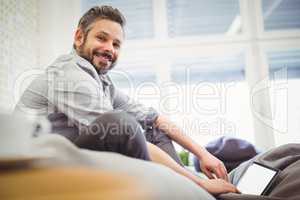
{"x":255,"y":179}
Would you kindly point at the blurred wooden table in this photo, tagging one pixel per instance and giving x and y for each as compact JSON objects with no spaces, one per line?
{"x":67,"y":183}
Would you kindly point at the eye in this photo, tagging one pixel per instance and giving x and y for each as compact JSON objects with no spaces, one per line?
{"x":116,"y":45}
{"x":101,"y":38}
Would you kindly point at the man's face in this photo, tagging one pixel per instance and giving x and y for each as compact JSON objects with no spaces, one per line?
{"x":101,"y":46}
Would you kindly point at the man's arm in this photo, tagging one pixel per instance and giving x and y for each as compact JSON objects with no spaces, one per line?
{"x":209,"y":164}
{"x":146,"y":116}
{"x":213,"y":186}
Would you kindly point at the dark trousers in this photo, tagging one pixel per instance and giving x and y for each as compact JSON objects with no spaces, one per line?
{"x":120,"y":132}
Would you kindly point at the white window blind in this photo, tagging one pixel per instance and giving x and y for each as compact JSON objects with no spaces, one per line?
{"x":282,"y":60}
{"x":212,"y":69}
{"x":133,"y":75}
{"x":138,"y":14}
{"x":201,"y":17}
{"x":281,"y":15}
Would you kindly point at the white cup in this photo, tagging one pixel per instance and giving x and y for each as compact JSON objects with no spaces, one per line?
{"x":16,"y":133}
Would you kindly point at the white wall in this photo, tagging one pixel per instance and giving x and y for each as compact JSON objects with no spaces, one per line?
{"x":18,"y":44}
{"x":57,"y":22}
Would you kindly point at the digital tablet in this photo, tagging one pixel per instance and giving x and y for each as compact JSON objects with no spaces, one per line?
{"x":257,"y":179}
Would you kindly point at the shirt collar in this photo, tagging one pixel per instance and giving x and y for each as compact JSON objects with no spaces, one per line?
{"x":105,"y":79}
{"x":87,"y":66}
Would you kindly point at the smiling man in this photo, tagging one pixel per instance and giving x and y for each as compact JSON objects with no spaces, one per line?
{"x":99,"y":43}
{"x":82,"y":104}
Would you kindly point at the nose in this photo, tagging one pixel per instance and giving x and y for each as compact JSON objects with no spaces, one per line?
{"x":108,"y":47}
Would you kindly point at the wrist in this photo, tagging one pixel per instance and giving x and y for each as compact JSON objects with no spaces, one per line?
{"x":200,"y":182}
{"x":194,"y":178}
{"x":201,"y":153}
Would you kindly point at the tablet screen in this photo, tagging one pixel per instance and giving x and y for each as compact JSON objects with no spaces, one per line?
{"x":256,"y":179}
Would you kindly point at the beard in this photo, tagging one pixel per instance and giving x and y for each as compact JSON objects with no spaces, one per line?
{"x":105,"y":70}
{"x":89,"y":58}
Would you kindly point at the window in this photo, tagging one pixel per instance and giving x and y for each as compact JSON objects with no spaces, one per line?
{"x":284,"y":66}
{"x":138,"y":14}
{"x":285,"y":60}
{"x":202,"y":17}
{"x":212,"y":69}
{"x":210,"y":97}
{"x":281,"y":15}
{"x":138,"y":81}
{"x":133,"y":75}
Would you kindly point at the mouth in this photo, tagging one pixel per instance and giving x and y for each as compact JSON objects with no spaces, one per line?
{"x":104,"y":57}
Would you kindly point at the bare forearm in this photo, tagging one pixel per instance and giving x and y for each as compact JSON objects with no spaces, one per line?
{"x":159,"y":156}
{"x":216,"y":186}
{"x":210,"y":165}
{"x":172,"y":130}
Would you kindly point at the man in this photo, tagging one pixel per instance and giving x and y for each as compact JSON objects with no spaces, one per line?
{"x":81,"y":102}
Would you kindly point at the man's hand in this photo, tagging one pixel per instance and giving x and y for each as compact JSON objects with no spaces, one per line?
{"x":217,"y":186}
{"x":211,"y":165}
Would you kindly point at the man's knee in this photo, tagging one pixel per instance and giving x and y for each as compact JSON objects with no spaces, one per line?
{"x":118,"y":124}
{"x":120,"y":132}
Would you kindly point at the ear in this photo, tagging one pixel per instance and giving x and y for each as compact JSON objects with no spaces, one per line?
{"x":79,"y":37}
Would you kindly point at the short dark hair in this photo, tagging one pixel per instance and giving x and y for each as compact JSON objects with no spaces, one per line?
{"x":97,"y":13}
{"x":101,"y":12}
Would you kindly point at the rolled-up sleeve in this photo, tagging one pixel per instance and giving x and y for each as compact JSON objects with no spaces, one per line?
{"x":146,"y":116}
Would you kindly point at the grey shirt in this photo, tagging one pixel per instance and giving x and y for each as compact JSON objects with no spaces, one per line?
{"x":71,"y":93}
